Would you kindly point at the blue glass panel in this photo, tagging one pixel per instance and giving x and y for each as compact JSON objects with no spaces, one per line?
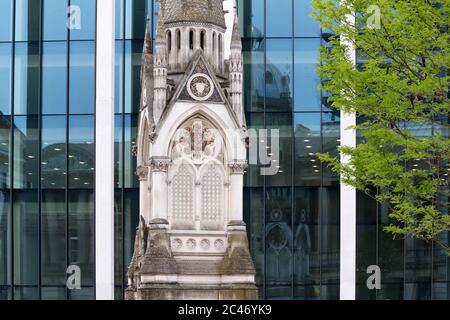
{"x":53,"y":242}
{"x":278,"y":18}
{"x":81,"y":152}
{"x":53,"y":164}
{"x":55,"y":19}
{"x":82,"y":77}
{"x":26,"y":78}
{"x":135,"y":17}
{"x":278,"y":75}
{"x":118,"y":78}
{"x":307,"y":94}
{"x":119,"y":18}
{"x":54,"y":81}
{"x":251,"y":13}
{"x":26,"y":237}
{"x":5,"y":78}
{"x":5,"y":246}
{"x":5,"y":153}
{"x":308,"y":142}
{"x":26,"y":152}
{"x":5,"y":20}
{"x":82,"y":19}
{"x":81,"y":234}
{"x":28,"y":17}
{"x":305,"y":25}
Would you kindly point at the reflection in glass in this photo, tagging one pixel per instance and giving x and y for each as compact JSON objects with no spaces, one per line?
{"x":86,"y":29}
{"x":308,"y":143}
{"x":278,"y":242}
{"x":26,"y":152}
{"x":81,"y":152}
{"x":254,"y":84}
{"x":53,"y":165}
{"x":133,"y":54}
{"x":119,"y":12}
{"x":130,"y":179}
{"x":330,"y":235}
{"x":5,"y":137}
{"x":283,"y":161}
{"x":307,"y":251}
{"x":279,"y":18}
{"x":134,"y":19}
{"x":5,"y":78}
{"x":5,"y":277}
{"x":53,"y":237}
{"x":254,"y":217}
{"x":26,"y":78}
{"x":55,"y":19}
{"x":118,"y":78}
{"x":252,"y":14}
{"x":82,"y":77}
{"x":131,"y":221}
{"x":118,"y":151}
{"x":54,"y":84}
{"x":5,"y":19}
{"x":28,"y":17}
{"x":26,"y":239}
{"x":81,"y":233}
{"x":307,"y":94}
{"x":305,"y":25}
{"x":278,"y":76}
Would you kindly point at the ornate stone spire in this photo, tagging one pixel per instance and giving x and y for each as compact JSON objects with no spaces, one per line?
{"x":148,"y":48}
{"x":236,"y":42}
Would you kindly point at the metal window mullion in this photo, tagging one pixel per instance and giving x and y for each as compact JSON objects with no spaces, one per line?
{"x":66,"y":189}
{"x":39,"y":196}
{"x":11,"y":157}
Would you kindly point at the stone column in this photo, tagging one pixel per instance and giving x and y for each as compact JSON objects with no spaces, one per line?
{"x":158,"y":168}
{"x":237,"y":169}
{"x":144,"y":195}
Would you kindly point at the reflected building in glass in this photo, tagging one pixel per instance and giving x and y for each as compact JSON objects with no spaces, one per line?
{"x":47,"y":158}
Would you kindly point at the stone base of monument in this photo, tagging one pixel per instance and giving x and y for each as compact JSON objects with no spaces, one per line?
{"x":161,"y":276}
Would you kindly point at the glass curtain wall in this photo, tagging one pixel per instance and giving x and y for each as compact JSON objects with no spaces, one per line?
{"x":293,"y":216}
{"x":47,"y":98}
{"x":131,"y":18}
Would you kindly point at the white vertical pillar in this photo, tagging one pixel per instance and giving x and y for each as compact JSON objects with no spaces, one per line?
{"x":348,"y":204}
{"x":104,"y":149}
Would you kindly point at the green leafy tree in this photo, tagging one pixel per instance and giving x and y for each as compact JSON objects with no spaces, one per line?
{"x":400,"y":94}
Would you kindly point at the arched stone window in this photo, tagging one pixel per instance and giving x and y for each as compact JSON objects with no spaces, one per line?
{"x":182,"y":202}
{"x":202,"y":39}
{"x":178,"y":39}
{"x":212,"y":196}
{"x":197,"y":177}
{"x":169,"y":41}
{"x":191,"y":39}
{"x":214,"y":42}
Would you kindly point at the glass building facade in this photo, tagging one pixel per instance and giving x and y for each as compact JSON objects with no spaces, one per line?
{"x":47,"y":158}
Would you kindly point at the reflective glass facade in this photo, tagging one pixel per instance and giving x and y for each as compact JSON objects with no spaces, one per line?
{"x":293,"y":216}
{"x":47,"y":158}
{"x":47,"y":76}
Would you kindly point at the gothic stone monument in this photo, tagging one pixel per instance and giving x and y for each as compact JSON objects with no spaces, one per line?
{"x":191,"y":242}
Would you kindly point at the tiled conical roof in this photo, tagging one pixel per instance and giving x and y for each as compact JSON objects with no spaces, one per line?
{"x":203,"y":11}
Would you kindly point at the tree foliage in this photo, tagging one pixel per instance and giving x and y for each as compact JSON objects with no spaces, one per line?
{"x":400,"y":94}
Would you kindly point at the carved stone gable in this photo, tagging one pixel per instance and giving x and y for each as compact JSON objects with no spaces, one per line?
{"x":200,"y":86}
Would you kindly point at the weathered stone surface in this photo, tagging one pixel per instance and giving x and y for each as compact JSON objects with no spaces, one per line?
{"x":191,"y":159}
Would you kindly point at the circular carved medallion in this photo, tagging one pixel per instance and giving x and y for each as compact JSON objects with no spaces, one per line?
{"x":200,"y":87}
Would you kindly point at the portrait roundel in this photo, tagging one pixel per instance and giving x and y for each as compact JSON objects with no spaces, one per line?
{"x":200,"y":87}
